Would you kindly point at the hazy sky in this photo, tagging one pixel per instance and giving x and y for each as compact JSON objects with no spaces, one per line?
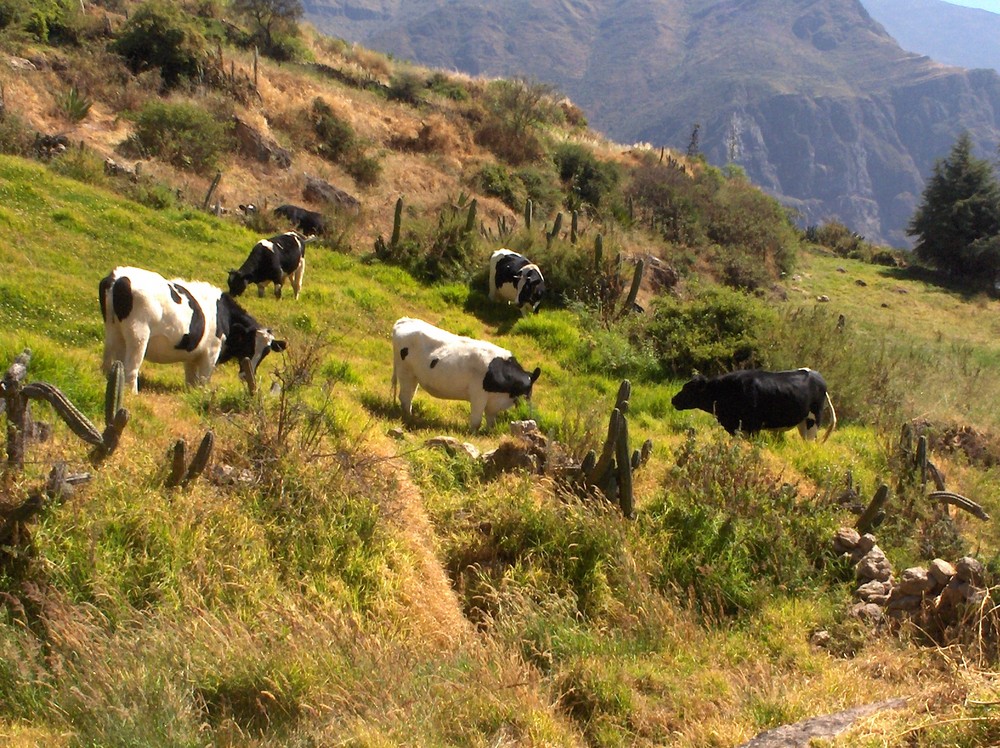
{"x":993,"y":5}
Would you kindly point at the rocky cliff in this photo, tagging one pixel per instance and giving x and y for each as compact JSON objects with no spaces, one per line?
{"x":812,"y":98}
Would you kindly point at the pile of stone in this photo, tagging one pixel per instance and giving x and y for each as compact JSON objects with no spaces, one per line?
{"x":941,"y":595}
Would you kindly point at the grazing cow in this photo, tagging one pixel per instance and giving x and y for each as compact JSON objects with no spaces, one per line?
{"x":749,"y":401}
{"x":307,"y":221}
{"x":516,"y":280}
{"x":176,"y":321}
{"x":453,"y":367}
{"x":271,"y":261}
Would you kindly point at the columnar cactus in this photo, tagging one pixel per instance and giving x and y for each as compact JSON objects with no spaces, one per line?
{"x":397,"y":223}
{"x":573,"y":227}
{"x":612,"y":472}
{"x":528,"y":210}
{"x":182,"y":474}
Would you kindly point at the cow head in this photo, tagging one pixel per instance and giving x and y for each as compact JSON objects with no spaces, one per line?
{"x":237,"y":283}
{"x":507,"y":376}
{"x":531,"y":289}
{"x":694,"y":394}
{"x":249,"y":341}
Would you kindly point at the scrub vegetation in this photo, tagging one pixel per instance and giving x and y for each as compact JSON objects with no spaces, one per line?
{"x":330,"y":580}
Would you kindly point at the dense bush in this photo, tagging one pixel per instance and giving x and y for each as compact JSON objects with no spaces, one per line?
{"x":497,"y":181}
{"x":160,"y":35}
{"x":729,"y":532}
{"x":181,"y":134}
{"x":718,"y":331}
{"x":589,"y":182}
{"x":515,"y":110}
{"x":408,"y":87}
{"x":445,"y":251}
{"x":340,"y":144}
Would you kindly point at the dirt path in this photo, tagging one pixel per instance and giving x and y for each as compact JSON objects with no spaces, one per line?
{"x":427,"y":592}
{"x":827,"y":726}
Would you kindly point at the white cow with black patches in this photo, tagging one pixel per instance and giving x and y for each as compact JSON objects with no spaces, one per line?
{"x":147,"y":317}
{"x":517,"y":280}
{"x":454,"y":367}
{"x":274,"y":260}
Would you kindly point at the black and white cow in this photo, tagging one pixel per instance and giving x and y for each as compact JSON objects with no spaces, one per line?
{"x":516,"y":280}
{"x":272,"y":261}
{"x":147,"y":317}
{"x":454,"y":367}
{"x":752,"y":400}
{"x":307,"y":221}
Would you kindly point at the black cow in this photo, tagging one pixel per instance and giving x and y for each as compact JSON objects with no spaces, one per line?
{"x":147,"y":317}
{"x":749,"y":401}
{"x":272,"y":261}
{"x":517,"y":280}
{"x":307,"y":221}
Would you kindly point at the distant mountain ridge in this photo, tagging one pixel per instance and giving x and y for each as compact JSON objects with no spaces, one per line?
{"x":948,"y":33}
{"x":813,"y":98}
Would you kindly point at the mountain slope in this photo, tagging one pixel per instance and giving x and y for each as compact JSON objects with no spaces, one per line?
{"x":814,"y":99}
{"x":952,"y":34}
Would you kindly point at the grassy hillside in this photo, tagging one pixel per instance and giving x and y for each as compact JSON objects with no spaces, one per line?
{"x":304,"y":605}
{"x":331,"y":580}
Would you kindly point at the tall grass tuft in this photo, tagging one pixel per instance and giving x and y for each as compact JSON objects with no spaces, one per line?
{"x":730,"y":533}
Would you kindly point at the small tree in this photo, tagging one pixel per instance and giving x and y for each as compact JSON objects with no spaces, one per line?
{"x":270,"y":16}
{"x":959,"y":214}
{"x":159,"y":35}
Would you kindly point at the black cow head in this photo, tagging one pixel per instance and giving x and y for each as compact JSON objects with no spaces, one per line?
{"x":507,"y":375}
{"x":694,"y":394}
{"x":237,"y":283}
{"x":532,"y":289}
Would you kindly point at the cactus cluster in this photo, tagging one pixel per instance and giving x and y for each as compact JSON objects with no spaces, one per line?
{"x":612,"y":472}
{"x":180,"y":472}
{"x":18,"y":396}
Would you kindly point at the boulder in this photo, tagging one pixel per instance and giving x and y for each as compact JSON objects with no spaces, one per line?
{"x":846,"y":540}
{"x":321,"y":191}
{"x":453,"y":446}
{"x":969,"y":570}
{"x":874,"y":565}
{"x":914,"y":581}
{"x":252,"y":144}
{"x":874,"y":592}
{"x":941,"y":571}
{"x":868,"y":612}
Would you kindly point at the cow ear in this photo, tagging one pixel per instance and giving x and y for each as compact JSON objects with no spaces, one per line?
{"x":278,"y":345}
{"x":535,"y":374}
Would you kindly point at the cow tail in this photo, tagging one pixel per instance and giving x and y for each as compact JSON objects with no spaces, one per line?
{"x":833,"y":418}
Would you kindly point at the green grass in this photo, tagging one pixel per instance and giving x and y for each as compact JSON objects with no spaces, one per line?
{"x":280,"y":610}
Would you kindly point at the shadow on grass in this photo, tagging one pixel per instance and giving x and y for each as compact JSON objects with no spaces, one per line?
{"x":389,"y":410}
{"x":499,"y":314}
{"x":963,"y":287}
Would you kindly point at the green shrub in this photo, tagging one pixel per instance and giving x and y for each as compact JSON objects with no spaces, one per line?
{"x":448,"y":87}
{"x":161,"y":35}
{"x":729,"y":533}
{"x":336,"y":136}
{"x":753,"y":224}
{"x":667,"y":200}
{"x":495,"y":180}
{"x":406,"y":87}
{"x":364,"y":168}
{"x":74,"y":105}
{"x":541,"y":183}
{"x":719,"y":330}
{"x":181,"y":134}
{"x":588,"y":181}
{"x":16,"y":136}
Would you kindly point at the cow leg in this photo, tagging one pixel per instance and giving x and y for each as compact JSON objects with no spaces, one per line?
{"x":809,"y":428}
{"x":135,"y":352}
{"x":277,"y":290}
{"x":407,"y":388}
{"x":297,"y":277}
{"x":197,"y":371}
{"x":260,"y":290}
{"x":478,"y":407}
{"x":114,"y":348}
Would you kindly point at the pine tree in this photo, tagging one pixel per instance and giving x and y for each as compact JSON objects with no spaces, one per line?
{"x":959,"y":218}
